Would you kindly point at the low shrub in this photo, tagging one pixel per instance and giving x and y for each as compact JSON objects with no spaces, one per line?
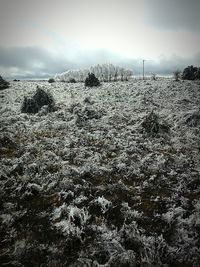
{"x":3,"y":84}
{"x":193,"y":120}
{"x":72,"y":80}
{"x":40,"y":99}
{"x":51,"y":80}
{"x":91,"y":80}
{"x":190,"y":73}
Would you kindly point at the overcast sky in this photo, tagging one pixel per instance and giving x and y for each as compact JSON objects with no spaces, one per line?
{"x":39,"y":38}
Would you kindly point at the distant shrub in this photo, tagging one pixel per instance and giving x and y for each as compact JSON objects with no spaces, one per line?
{"x":40,"y":99}
{"x":91,"y":80}
{"x":72,"y":80}
{"x":51,"y":80}
{"x":177,"y":75}
{"x":3,"y":84}
{"x":153,"y":76}
{"x":153,"y":126}
{"x":189,"y":73}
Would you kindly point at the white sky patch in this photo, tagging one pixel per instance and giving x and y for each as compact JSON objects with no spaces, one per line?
{"x":86,"y":32}
{"x":124,"y":27}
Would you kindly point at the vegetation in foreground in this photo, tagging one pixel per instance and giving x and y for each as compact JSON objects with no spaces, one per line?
{"x":110,"y":178}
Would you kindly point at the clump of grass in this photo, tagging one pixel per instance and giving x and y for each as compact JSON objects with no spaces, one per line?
{"x":194,"y":119}
{"x":153,"y":126}
{"x":8,"y":147}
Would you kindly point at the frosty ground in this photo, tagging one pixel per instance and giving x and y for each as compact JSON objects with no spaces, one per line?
{"x":89,"y":185}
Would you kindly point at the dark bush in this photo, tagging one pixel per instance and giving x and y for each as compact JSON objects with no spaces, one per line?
{"x":91,"y":80}
{"x":3,"y":84}
{"x":40,"y":99}
{"x":51,"y":80}
{"x":72,"y":80}
{"x":189,"y":73}
{"x":29,"y":106}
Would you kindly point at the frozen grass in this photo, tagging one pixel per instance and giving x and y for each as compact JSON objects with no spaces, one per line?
{"x":101,"y":181}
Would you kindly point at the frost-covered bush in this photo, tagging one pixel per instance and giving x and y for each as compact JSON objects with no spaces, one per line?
{"x":189,"y":73}
{"x":3,"y":84}
{"x":40,"y":99}
{"x":153,"y":126}
{"x":72,"y":76}
{"x":104,"y":72}
{"x":91,"y":80}
{"x":110,"y":72}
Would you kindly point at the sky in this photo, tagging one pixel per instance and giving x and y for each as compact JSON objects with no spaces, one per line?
{"x":39,"y":38}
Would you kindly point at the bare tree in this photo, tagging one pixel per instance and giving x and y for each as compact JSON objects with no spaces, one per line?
{"x":104,"y":72}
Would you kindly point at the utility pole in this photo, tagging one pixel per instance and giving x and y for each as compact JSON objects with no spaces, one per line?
{"x":143,"y":67}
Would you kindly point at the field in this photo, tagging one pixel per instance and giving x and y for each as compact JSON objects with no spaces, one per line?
{"x":111,"y":178}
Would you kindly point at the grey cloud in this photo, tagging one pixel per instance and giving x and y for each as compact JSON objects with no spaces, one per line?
{"x":163,"y":65}
{"x":29,"y":62}
{"x":38,"y":62}
{"x":174,"y":14}
{"x":32,"y":61}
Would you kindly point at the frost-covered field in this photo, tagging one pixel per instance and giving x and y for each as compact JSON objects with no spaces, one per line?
{"x":86,"y":185}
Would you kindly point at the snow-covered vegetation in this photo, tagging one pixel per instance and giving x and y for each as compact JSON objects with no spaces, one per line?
{"x":110,"y":178}
{"x":104,"y":72}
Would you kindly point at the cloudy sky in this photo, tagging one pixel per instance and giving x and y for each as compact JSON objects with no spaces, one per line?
{"x":39,"y":38}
